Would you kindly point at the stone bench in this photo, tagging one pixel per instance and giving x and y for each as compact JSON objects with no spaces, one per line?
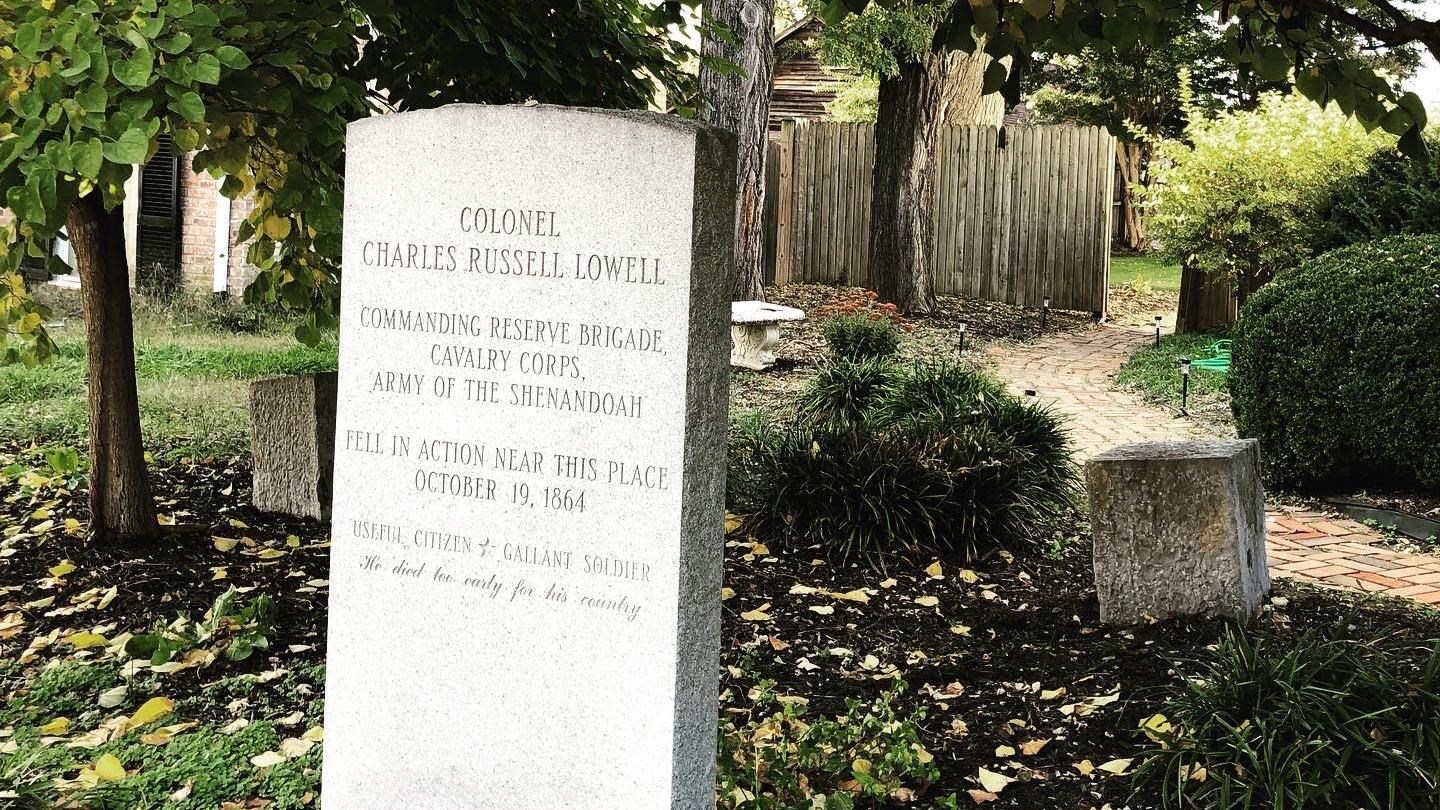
{"x":754,"y":331}
{"x":1179,"y":529}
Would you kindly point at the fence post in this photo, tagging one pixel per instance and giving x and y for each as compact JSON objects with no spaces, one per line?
{"x":785,"y":204}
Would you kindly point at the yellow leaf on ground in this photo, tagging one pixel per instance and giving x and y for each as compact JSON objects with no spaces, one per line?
{"x":1004,"y":751}
{"x":927,"y":601}
{"x":1085,"y":767}
{"x":55,"y":727}
{"x":60,"y":570}
{"x":857,"y":595}
{"x":982,"y":796}
{"x":292,"y":541}
{"x":151,"y":710}
{"x":760,"y":550}
{"x":731,"y":523}
{"x":72,"y":526}
{"x":224,"y":543}
{"x":727,"y":593}
{"x":801,"y":590}
{"x":238,"y":524}
{"x":218,"y":573}
{"x":823,"y":610}
{"x":109,"y":769}
{"x":1052,"y":694}
{"x":960,"y":629}
{"x":755,"y":616}
{"x":84,"y":641}
{"x":165,"y":520}
{"x":889,"y":583}
{"x":108,"y":597}
{"x":316,"y":734}
{"x":934,"y":571}
{"x":969,"y":576}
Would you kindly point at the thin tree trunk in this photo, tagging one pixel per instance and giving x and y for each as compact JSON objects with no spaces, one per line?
{"x":1132,"y":159}
{"x":740,"y":103}
{"x":120,"y":503}
{"x":913,"y":105}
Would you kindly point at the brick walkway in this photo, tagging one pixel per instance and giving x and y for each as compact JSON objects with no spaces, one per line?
{"x":1074,"y":373}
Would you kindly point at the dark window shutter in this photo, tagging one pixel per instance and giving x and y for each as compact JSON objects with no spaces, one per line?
{"x":157,"y":252}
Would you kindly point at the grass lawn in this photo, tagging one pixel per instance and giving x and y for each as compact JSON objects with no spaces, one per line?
{"x":194,"y":376}
{"x":1155,"y":374}
{"x":1147,"y":269}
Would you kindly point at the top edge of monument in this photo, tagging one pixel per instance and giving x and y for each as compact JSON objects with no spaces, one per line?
{"x":646,"y":117}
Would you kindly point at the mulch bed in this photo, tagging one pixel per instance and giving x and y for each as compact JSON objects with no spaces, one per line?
{"x":984,"y":649}
{"x":935,"y":336}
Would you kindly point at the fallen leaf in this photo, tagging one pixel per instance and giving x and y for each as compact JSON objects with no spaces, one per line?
{"x":757,"y":615}
{"x":1034,"y":747}
{"x":727,"y":593}
{"x":108,"y":597}
{"x":269,"y":759}
{"x":224,"y":543}
{"x":63,"y":568}
{"x":982,"y":796}
{"x":293,"y":747}
{"x":823,"y":610}
{"x":150,"y":711}
{"x":959,"y":629}
{"x":1117,"y":766}
{"x":111,"y":698}
{"x":927,"y":601}
{"x":56,"y":727}
{"x":934,"y":571}
{"x":993,"y":782}
{"x":1004,"y":751}
{"x":84,"y":641}
{"x":109,"y":769}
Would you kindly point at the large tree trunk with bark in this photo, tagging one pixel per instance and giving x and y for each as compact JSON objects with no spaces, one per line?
{"x":120,"y":503}
{"x":913,"y":105}
{"x":740,"y":103}
{"x":1133,"y":158}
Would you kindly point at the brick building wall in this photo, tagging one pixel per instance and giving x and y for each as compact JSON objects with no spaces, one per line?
{"x":199,"y":203}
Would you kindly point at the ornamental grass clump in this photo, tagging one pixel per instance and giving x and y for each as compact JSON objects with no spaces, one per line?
{"x":1274,"y":720}
{"x":887,"y":460}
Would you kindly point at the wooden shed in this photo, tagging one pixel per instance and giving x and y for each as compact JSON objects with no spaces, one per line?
{"x":802,"y":85}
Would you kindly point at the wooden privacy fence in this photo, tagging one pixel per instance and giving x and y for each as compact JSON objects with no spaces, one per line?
{"x":1020,"y":212}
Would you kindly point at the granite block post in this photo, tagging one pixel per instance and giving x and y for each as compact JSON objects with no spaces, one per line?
{"x":1179,"y":529}
{"x":292,"y":444}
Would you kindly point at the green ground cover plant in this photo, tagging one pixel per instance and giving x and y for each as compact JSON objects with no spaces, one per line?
{"x":1154,"y":372}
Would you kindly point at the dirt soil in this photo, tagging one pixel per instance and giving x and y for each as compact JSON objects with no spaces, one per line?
{"x":985,"y":649}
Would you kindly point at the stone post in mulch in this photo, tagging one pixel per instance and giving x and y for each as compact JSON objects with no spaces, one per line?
{"x":292,"y":440}
{"x":1179,"y":529}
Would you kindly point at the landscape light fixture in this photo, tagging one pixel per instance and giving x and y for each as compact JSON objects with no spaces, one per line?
{"x":1157,"y":331}
{"x":1184,"y":385}
{"x":1044,"y":313}
{"x":1030,"y":394}
{"x":963,"y":326}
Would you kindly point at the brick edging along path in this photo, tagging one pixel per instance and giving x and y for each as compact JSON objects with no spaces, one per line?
{"x":1074,"y":372}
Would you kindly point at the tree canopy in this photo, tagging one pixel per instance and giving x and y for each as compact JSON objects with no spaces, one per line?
{"x":1311,"y":40}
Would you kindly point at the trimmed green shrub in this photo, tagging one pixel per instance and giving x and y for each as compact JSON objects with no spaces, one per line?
{"x":1395,"y":195}
{"x":936,"y":460}
{"x":1336,"y":368}
{"x":1309,"y":721}
{"x":861,"y":337}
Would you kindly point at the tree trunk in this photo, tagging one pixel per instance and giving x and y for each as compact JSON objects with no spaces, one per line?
{"x":1206,"y":304}
{"x":1133,"y":158}
{"x":913,"y":105}
{"x":120,"y":503}
{"x":740,"y":103}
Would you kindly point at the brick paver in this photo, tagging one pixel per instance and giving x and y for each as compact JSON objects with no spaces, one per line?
{"x":1075,"y":372}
